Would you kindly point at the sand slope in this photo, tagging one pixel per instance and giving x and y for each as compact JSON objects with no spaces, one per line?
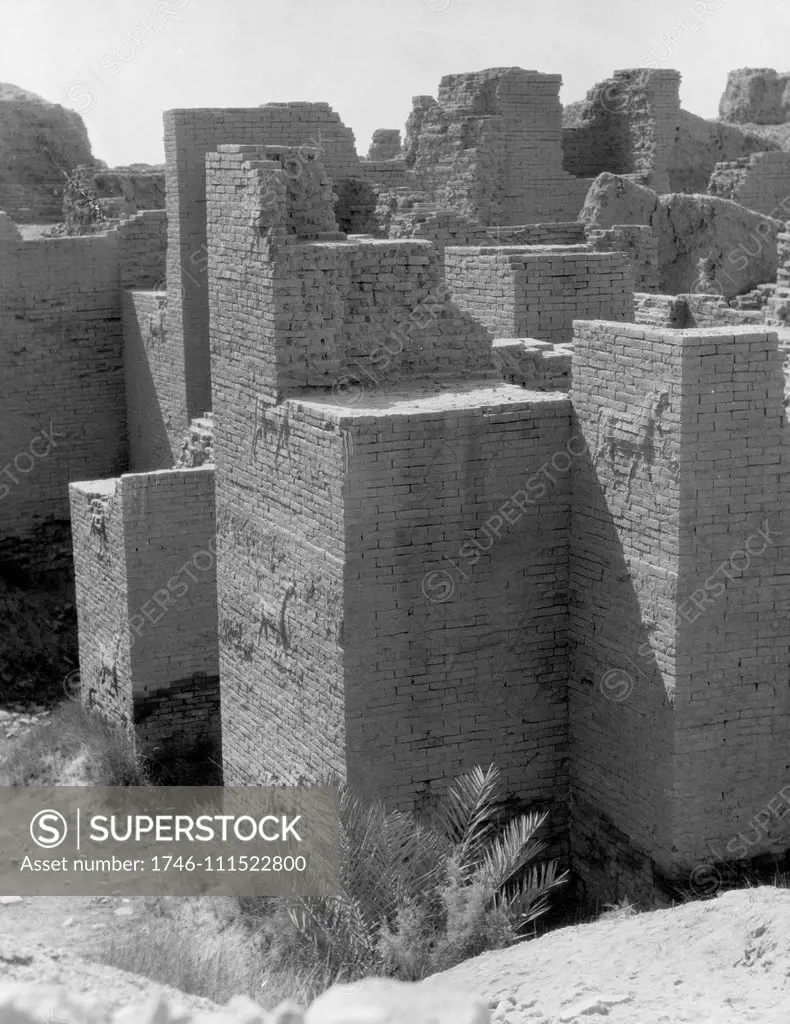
{"x":722,"y":961}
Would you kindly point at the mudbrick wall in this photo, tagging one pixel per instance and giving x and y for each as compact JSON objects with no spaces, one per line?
{"x":189,"y":135}
{"x":63,"y":400}
{"x":681,"y":311}
{"x":538,"y":291}
{"x":626,"y":126}
{"x":403,"y":213}
{"x":632,"y":123}
{"x":142,"y":250}
{"x":413,"y":556}
{"x":97,"y":530}
{"x":535,"y":365}
{"x":327,"y":420}
{"x":145,"y":563}
{"x":155,"y":382}
{"x":453,"y":642}
{"x":385,"y":144}
{"x":490,"y":148}
{"x":62,"y":403}
{"x":760,"y":182}
{"x":94,"y":194}
{"x":756,"y":96}
{"x":678,"y":712}
{"x":641,"y":245}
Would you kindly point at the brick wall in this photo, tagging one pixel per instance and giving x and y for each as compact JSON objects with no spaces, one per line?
{"x":559,"y":233}
{"x":536,"y":365}
{"x":623,"y":590}
{"x":280,"y":588}
{"x":626,"y":125}
{"x":760,"y":182}
{"x":639,"y":242}
{"x":97,"y":529}
{"x":326,"y":360}
{"x":490,"y":148}
{"x":681,"y":311}
{"x":155,"y":382}
{"x":189,"y":136}
{"x":145,"y":563}
{"x":142,"y":250}
{"x":169,"y":534}
{"x":387,"y":173}
{"x":62,"y":407}
{"x":93,"y":194}
{"x":732,"y":703}
{"x":676,"y":725}
{"x":538,"y":291}
{"x":660,"y":310}
{"x":455,"y":611}
{"x":385,"y":144}
{"x":319,"y":318}
{"x":403,"y":213}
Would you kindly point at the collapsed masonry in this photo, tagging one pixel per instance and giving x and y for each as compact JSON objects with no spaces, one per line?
{"x":451,"y":504}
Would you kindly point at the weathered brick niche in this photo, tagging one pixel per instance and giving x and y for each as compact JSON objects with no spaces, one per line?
{"x":145,"y":563}
{"x":679,"y":704}
{"x":361,"y":437}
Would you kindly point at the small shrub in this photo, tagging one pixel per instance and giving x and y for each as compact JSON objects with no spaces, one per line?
{"x":417,"y":898}
{"x":206,"y":947}
{"x":186,"y":762}
{"x":73,"y":747}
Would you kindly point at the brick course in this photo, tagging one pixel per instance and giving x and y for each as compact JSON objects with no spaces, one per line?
{"x":665,"y":711}
{"x":537,"y":291}
{"x":145,"y":565}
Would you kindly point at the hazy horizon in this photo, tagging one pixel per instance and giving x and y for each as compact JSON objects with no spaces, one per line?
{"x":120,"y":63}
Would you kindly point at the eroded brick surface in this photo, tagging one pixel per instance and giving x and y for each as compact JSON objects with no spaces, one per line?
{"x":538,"y":291}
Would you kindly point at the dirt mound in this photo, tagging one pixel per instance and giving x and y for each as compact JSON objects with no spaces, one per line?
{"x":40,"y":144}
{"x":725,"y":960}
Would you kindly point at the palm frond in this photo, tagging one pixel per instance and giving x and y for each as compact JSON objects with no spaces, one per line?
{"x":466,"y":814}
{"x":528,"y":899}
{"x":507,"y":854}
{"x":387,"y":858}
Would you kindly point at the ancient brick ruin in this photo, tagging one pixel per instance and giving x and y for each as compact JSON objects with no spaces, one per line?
{"x":393,"y":466}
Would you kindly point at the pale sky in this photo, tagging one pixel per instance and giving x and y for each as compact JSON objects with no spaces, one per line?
{"x":120,"y":63}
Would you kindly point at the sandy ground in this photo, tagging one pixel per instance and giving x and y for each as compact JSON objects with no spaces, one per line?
{"x":45,"y":941}
{"x":721,"y":961}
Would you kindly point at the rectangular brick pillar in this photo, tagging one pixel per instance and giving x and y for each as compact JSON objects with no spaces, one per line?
{"x":145,"y":564}
{"x":679,"y":700}
{"x":392,"y":519}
